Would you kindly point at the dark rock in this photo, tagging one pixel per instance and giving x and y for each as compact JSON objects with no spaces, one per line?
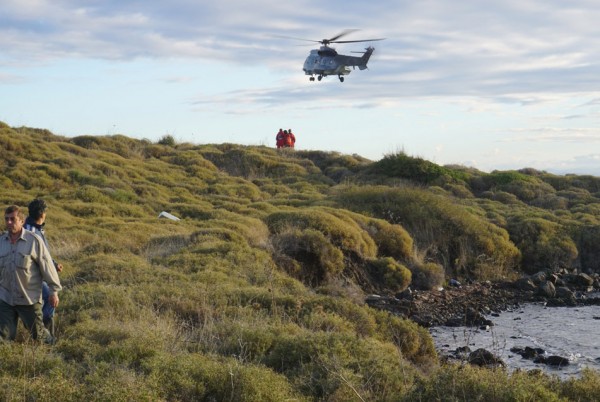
{"x":563,"y":292}
{"x":406,"y":294}
{"x":473,"y":317}
{"x":525,"y":284}
{"x":527,"y":352}
{"x":372,"y":298}
{"x":454,"y":283}
{"x":579,"y":280}
{"x":530,"y":353}
{"x":584,"y":280}
{"x":454,"y":322}
{"x":483,"y":357}
{"x":546,"y":289}
{"x":538,"y":277}
{"x":557,"y":361}
{"x":462,"y":352}
{"x":424,"y":320}
{"x":556,"y":303}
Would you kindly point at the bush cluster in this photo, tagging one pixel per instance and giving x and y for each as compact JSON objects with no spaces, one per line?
{"x":257,"y":292}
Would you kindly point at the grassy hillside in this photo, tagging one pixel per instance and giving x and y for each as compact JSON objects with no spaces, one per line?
{"x":256,"y":294}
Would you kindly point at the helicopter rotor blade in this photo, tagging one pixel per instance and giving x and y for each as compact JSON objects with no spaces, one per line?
{"x":330,"y":40}
{"x":354,"y":41}
{"x":293,"y":37}
{"x":343,"y":33}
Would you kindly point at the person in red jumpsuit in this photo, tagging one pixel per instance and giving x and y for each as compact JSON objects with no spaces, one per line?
{"x":279,"y":139}
{"x":291,"y":141}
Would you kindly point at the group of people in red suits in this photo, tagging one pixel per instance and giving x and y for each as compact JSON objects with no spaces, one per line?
{"x":285,"y":139}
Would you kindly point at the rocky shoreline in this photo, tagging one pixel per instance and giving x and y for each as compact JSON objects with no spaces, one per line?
{"x":468,"y":305}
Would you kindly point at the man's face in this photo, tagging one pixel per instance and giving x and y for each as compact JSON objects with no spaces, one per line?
{"x":14,"y":224}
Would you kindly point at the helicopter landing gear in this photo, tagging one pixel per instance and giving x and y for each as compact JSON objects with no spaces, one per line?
{"x":341,"y":78}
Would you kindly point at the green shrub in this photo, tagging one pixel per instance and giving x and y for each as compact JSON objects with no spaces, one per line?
{"x":464,"y":382}
{"x":527,"y":190}
{"x":319,"y":320}
{"x":393,"y":275}
{"x":87,"y":210}
{"x":584,"y":388}
{"x":502,"y":196}
{"x":392,"y":240}
{"x":342,"y":232}
{"x":427,"y":276}
{"x":167,"y":140}
{"x":589,"y":252}
{"x":413,"y":341}
{"x":447,"y":233}
{"x":87,"y":141}
{"x":360,"y":317}
{"x":318,"y":259}
{"x":328,"y":366}
{"x":545,"y":245}
{"x":401,"y":165}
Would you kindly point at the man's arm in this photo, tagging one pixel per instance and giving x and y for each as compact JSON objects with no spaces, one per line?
{"x":53,"y":299}
{"x":48,"y":270}
{"x":58,"y":266}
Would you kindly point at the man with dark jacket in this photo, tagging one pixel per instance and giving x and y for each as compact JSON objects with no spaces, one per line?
{"x":35,"y":222}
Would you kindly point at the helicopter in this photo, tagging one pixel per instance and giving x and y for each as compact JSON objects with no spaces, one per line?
{"x":326,"y":61}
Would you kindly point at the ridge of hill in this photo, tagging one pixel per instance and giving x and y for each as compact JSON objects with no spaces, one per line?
{"x":257,"y":293}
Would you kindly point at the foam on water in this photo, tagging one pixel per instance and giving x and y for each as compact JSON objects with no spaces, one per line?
{"x":570,"y":332}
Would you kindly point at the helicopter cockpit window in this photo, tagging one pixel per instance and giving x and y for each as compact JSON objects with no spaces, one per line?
{"x":327,"y":53}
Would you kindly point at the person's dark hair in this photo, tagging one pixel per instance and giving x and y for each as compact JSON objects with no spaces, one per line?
{"x":14,"y":208}
{"x":36,"y":208}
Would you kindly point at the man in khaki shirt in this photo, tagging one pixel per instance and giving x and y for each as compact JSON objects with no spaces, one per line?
{"x":24,"y":263}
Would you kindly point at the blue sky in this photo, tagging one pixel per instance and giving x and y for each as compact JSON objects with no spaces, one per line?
{"x":493,"y":85}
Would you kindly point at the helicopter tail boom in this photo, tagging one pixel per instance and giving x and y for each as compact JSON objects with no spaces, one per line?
{"x":365,"y":58}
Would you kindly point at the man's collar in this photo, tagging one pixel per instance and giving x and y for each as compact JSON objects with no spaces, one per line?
{"x":20,"y":237}
{"x":29,"y":221}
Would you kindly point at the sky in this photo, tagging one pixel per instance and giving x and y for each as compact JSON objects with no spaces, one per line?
{"x":492,"y":85}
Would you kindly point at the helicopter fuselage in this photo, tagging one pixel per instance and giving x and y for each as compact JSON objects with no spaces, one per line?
{"x":326,"y":61}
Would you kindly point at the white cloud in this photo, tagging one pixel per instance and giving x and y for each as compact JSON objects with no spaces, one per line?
{"x":517,"y":70}
{"x":553,"y":134}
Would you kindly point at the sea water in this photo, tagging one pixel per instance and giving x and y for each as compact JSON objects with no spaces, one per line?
{"x":570,"y":332}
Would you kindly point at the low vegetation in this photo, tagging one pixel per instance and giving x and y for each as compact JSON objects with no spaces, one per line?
{"x":257,"y":292}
